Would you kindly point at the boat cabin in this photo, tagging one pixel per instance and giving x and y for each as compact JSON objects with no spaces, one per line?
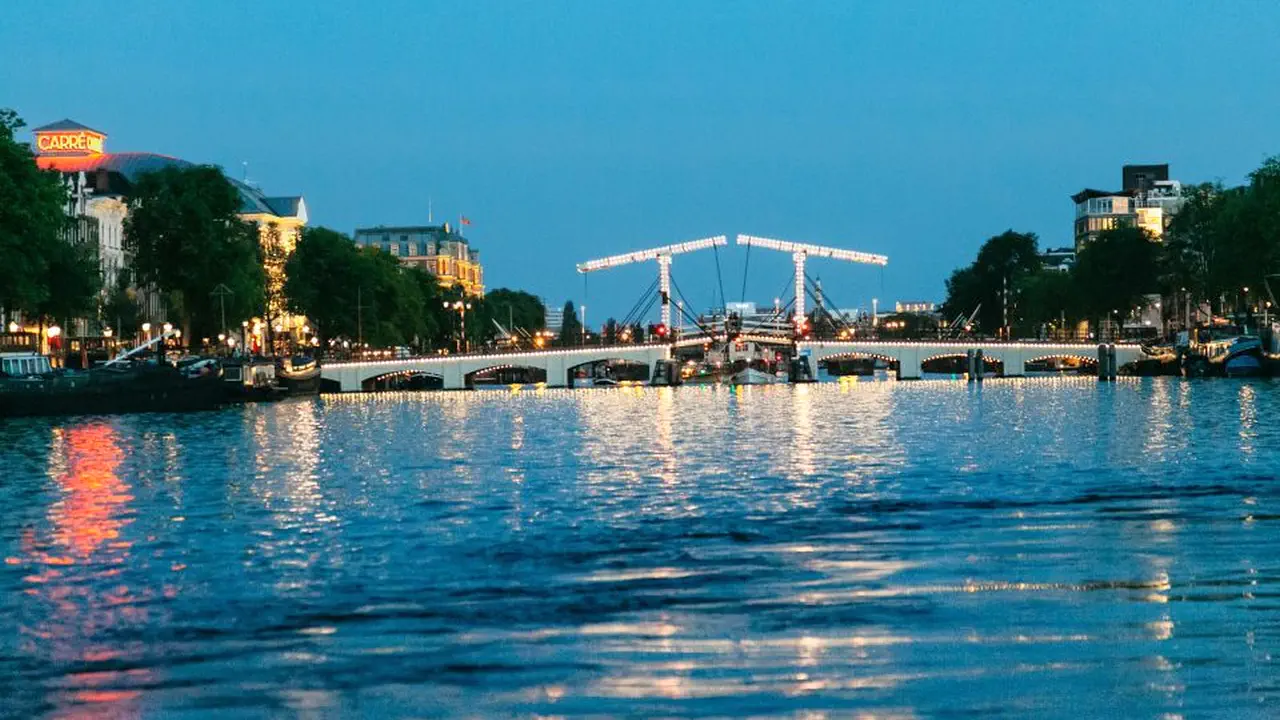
{"x":24,"y":364}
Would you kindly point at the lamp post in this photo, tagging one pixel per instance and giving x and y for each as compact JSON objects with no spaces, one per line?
{"x":53,"y":333}
{"x":13,"y":326}
{"x":244,"y":335}
{"x":462,"y":308}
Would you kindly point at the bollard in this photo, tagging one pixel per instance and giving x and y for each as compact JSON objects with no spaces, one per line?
{"x":1103,"y":359}
{"x":968,"y":357}
{"x":1111,"y":362}
{"x":979,"y":364}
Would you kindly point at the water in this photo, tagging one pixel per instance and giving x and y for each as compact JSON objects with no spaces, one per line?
{"x":1035,"y":548}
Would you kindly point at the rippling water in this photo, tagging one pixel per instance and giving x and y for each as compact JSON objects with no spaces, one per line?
{"x":1032,"y":548}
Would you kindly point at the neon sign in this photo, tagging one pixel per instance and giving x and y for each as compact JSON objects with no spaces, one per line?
{"x":85,"y":142}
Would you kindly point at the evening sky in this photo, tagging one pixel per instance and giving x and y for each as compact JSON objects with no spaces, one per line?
{"x":570,"y":130}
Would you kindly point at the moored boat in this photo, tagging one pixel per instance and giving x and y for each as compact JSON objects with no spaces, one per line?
{"x":250,"y":379}
{"x":29,"y":386}
{"x":298,"y":375}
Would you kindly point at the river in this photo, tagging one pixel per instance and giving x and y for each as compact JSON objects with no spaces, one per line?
{"x":1032,"y":548}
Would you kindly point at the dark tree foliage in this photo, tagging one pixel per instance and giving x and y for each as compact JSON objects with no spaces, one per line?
{"x":570,"y":327}
{"x":1003,"y":262}
{"x":33,"y":240}
{"x":186,"y":239}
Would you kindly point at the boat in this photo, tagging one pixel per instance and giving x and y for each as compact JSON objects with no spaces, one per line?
{"x":250,"y":379}
{"x":1235,"y":356}
{"x":30,"y":386}
{"x":298,"y":375}
{"x":752,"y":376}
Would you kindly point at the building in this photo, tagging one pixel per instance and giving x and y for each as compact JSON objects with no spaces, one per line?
{"x":554,"y":317}
{"x":435,"y":248}
{"x":1058,"y":259}
{"x":915,"y":307}
{"x":101,"y":182}
{"x":1147,"y":199}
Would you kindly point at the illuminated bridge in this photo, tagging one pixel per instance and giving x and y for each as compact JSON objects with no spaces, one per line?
{"x":910,"y":357}
{"x":457,"y":371}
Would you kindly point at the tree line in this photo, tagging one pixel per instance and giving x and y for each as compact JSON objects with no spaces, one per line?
{"x":363,"y":295}
{"x":209,"y":270}
{"x":1217,"y":252}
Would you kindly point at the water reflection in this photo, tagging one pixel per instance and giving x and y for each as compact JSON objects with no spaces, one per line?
{"x":78,"y":593}
{"x":892,"y":549}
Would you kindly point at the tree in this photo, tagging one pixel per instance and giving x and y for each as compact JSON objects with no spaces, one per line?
{"x":74,"y":279}
{"x":186,"y":239}
{"x":33,"y":221}
{"x":274,"y":256}
{"x":1116,"y":272}
{"x":992,"y":280}
{"x":120,"y":310}
{"x":323,"y":281}
{"x":570,"y":327}
{"x":1047,"y":298}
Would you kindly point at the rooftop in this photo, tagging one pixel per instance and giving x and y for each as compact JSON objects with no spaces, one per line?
{"x":64,"y":125}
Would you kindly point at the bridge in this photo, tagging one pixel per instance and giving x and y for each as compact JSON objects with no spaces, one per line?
{"x":456,"y":371}
{"x":911,"y":356}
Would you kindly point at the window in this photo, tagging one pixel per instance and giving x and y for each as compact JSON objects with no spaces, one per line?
{"x":404,"y":247}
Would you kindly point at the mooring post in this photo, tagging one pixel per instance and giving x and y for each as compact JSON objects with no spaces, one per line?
{"x":968,"y":357}
{"x":1111,"y":362}
{"x":979,"y":364}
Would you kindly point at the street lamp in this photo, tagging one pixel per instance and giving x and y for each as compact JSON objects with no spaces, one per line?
{"x":13,"y":326}
{"x":462,"y":308}
{"x":106,"y":332}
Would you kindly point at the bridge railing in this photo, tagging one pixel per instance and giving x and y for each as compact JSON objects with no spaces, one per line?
{"x":342,"y":356}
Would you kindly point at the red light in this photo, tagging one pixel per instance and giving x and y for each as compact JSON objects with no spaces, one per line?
{"x":661,"y":330}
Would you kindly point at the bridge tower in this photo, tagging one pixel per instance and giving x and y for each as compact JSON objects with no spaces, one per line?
{"x":801,"y":251}
{"x":663,"y":256}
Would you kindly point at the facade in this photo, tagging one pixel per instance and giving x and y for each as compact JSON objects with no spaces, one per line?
{"x":435,"y":248}
{"x":101,"y":183}
{"x":915,"y":307}
{"x":1147,"y":199}
{"x":554,"y":317}
{"x":1058,"y":259}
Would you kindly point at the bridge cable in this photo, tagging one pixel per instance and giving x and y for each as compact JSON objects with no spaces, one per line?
{"x":781,"y":309}
{"x":646,"y":295}
{"x":724,"y":301}
{"x":826,"y":302}
{"x":685,"y":312}
{"x":746,"y":266}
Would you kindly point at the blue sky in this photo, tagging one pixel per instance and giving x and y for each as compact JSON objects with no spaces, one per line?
{"x":571,"y":130}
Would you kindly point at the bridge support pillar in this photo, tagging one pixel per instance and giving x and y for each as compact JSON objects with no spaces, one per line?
{"x":909,"y":366}
{"x":454,"y":378}
{"x":558,"y":373}
{"x":349,"y":381}
{"x":1014,"y":361}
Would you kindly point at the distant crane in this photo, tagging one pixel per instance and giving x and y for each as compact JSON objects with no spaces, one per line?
{"x":663,"y":256}
{"x":800,"y":251}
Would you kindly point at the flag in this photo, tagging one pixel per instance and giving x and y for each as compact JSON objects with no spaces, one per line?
{"x":465,"y":220}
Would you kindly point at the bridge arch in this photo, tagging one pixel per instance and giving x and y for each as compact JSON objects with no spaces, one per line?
{"x":404,"y":380}
{"x":519,"y":373}
{"x":1052,"y":361}
{"x":455,"y":370}
{"x":949,"y":362}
